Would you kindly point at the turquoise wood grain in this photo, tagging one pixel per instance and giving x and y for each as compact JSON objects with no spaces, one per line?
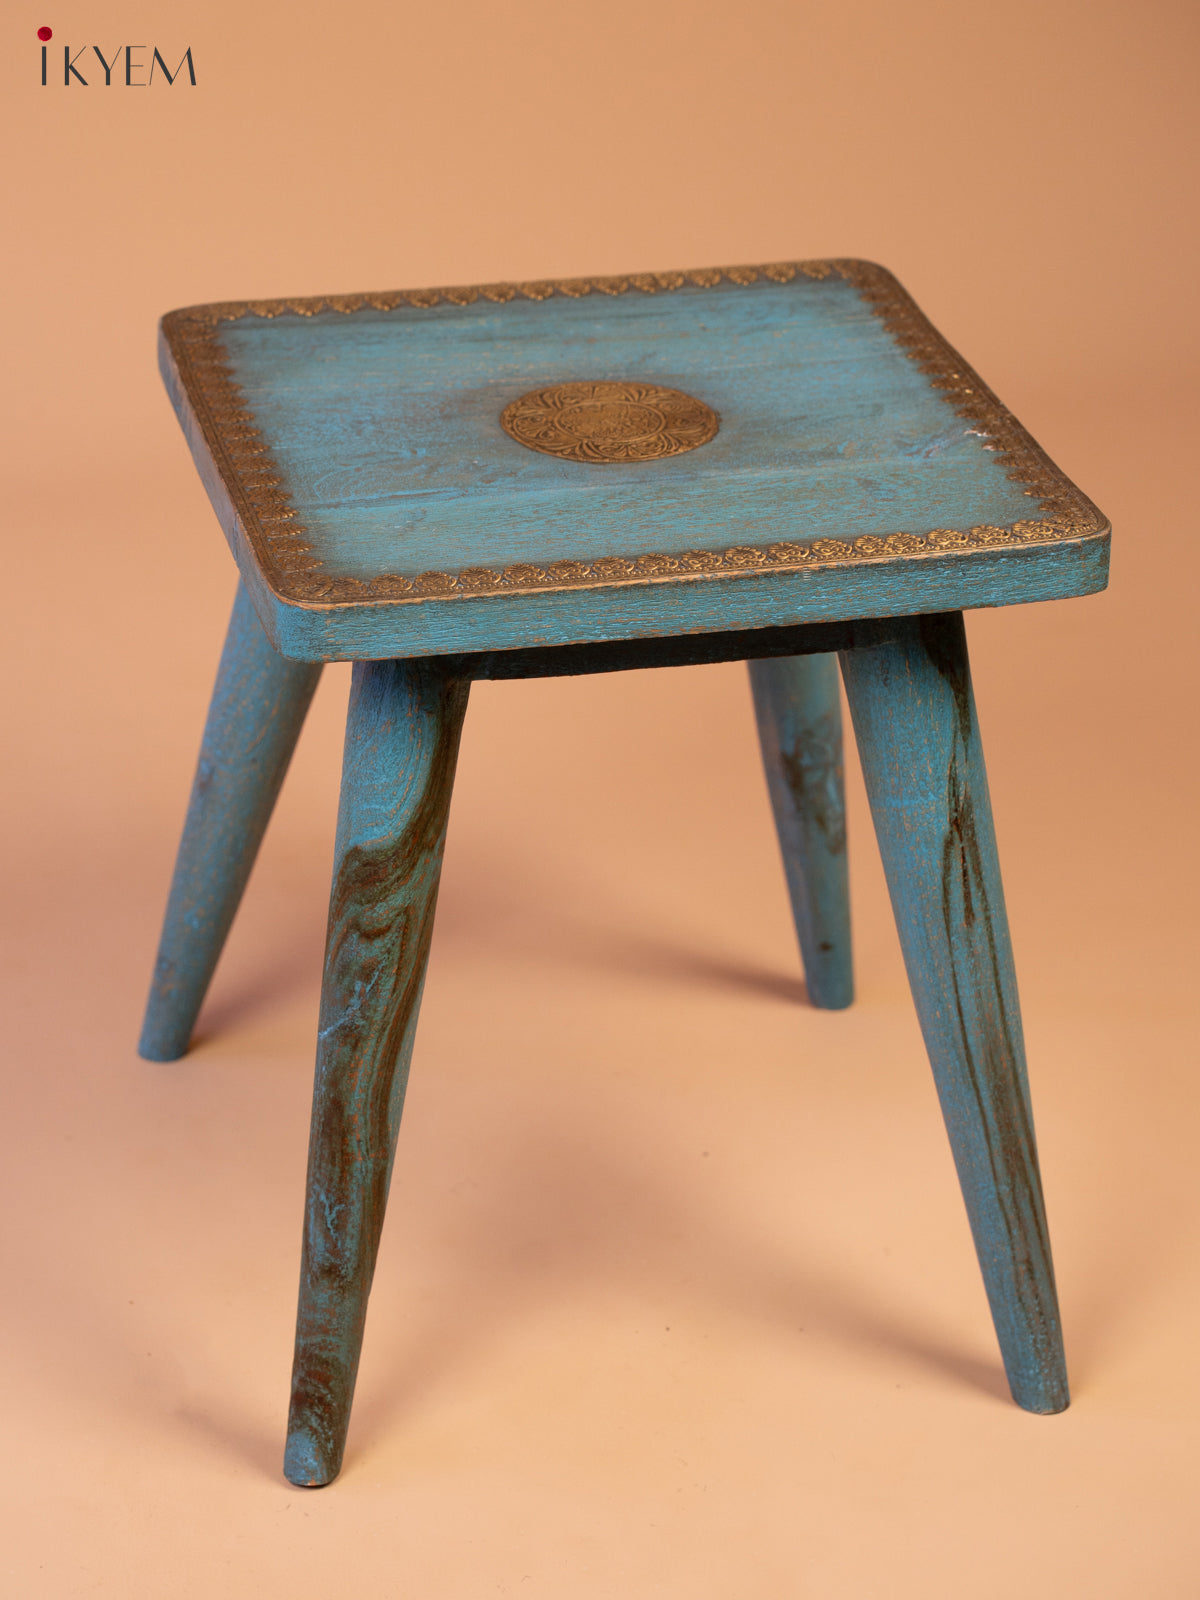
{"x":799,"y":713}
{"x":386,"y":426}
{"x":653,"y":610}
{"x":402,"y":737}
{"x":385,"y":429}
{"x":909,"y":688}
{"x":381,"y":444}
{"x":258,"y":708}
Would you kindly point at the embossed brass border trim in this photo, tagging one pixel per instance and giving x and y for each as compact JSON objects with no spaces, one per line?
{"x":260,"y":495}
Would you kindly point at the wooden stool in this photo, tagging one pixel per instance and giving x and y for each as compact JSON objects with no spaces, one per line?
{"x":773,"y":464}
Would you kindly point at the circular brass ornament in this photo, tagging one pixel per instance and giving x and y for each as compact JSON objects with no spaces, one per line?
{"x":601,"y":422}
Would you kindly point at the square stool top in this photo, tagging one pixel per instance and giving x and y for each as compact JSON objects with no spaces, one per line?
{"x":431,"y":471}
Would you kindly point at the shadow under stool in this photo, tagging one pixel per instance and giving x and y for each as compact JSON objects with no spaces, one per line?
{"x":785,"y":465}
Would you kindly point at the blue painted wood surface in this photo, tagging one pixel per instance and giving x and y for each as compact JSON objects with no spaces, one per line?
{"x":909,"y":688}
{"x":257,"y":711}
{"x":799,"y":714}
{"x":378,"y":429}
{"x":258,"y":707}
{"x":654,"y":610}
{"x":386,"y":428}
{"x":402,"y":735}
{"x":377,"y":432}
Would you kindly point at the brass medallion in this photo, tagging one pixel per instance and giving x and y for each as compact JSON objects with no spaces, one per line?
{"x":600,"y":422}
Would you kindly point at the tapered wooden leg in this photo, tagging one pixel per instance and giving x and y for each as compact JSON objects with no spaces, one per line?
{"x":914,"y":717}
{"x":799,"y":716}
{"x":402,"y":738}
{"x":258,"y":708}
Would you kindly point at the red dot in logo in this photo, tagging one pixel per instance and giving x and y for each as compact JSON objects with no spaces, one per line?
{"x":45,"y":33}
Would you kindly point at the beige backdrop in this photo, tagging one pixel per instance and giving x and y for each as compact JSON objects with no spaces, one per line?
{"x":677,"y":1298}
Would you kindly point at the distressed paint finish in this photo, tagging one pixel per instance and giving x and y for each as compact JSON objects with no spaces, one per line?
{"x":656,"y":608}
{"x":402,"y":738}
{"x":909,"y":688}
{"x":354,"y":454}
{"x":799,"y":714}
{"x":386,"y":427}
{"x":257,"y":711}
{"x":258,"y":708}
{"x":863,"y":488}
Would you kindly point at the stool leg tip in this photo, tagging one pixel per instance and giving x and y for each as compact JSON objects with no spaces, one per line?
{"x":304,"y":1462}
{"x":157,"y":1044}
{"x":1044,"y":1402}
{"x":831,"y":995}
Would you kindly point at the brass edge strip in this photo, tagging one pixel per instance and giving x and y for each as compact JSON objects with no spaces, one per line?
{"x":287,"y":559}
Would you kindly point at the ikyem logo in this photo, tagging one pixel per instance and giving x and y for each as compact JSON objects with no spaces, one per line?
{"x":135,"y":64}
